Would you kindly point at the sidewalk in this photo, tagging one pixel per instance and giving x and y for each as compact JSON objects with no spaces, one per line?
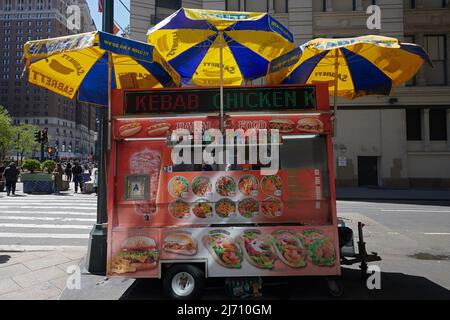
{"x":368,"y":193}
{"x":36,"y":275}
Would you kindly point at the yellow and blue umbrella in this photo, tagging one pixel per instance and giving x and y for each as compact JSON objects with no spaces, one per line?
{"x":355,"y":66}
{"x":81,"y":63}
{"x":197,"y":42}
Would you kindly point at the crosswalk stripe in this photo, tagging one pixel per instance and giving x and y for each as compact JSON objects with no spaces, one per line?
{"x":46,"y":219}
{"x":14,"y":247}
{"x":6,"y":203}
{"x":92,"y":213}
{"x":45,"y":226}
{"x":47,"y":207}
{"x":45,"y":235}
{"x":46,"y":222}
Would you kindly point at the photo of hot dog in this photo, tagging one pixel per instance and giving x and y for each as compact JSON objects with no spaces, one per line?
{"x":58,"y":67}
{"x":283,"y":125}
{"x":312,"y":125}
{"x":158,"y":129}
{"x":130,"y":129}
{"x":180,"y":243}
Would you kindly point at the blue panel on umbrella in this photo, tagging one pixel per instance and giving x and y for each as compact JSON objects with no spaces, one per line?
{"x":301,"y":74}
{"x":187,"y":62}
{"x":94,"y":87}
{"x":135,"y":49}
{"x":366,"y":77}
{"x":418,"y":50}
{"x":178,"y":20}
{"x":266,"y":23}
{"x":156,"y":70}
{"x":258,"y":66}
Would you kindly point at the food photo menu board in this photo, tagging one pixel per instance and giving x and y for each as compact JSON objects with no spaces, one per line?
{"x":230,"y":251}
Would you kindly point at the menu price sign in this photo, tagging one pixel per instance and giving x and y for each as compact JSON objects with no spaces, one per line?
{"x":267,"y":98}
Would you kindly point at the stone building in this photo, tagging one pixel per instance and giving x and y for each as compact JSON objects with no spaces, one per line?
{"x":402,"y":140}
{"x":71,"y":124}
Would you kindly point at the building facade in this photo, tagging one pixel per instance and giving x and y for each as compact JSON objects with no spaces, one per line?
{"x":71,"y":124}
{"x":402,"y":140}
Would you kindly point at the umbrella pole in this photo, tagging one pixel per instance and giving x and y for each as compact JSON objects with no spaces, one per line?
{"x":109,"y":99}
{"x":336,"y":71}
{"x":221,"y":79}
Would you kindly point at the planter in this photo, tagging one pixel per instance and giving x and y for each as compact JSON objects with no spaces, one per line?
{"x":37,"y":182}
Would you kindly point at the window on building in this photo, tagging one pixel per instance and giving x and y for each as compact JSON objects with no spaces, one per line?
{"x":434,"y":4}
{"x":343,"y":5}
{"x":20,"y":5}
{"x":436,"y":46}
{"x":164,"y":8}
{"x":281,"y":6}
{"x":366,"y":3}
{"x":413,"y":125}
{"x":409,"y":4}
{"x":319,"y":5}
{"x":256,"y":5}
{"x":232,"y":5}
{"x":40,"y":5}
{"x":438,"y":124}
{"x":8,"y":5}
{"x":413,"y":81}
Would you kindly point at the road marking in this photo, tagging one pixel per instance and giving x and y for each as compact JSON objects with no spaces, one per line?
{"x":45,"y":218}
{"x":33,"y":203}
{"x":415,"y":210}
{"x":47,"y":207}
{"x":45,"y":226}
{"x":54,"y":212}
{"x":436,"y":233}
{"x":45,"y":235}
{"x":14,"y":247}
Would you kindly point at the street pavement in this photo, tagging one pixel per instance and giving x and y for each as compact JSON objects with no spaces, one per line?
{"x":412,"y":237}
{"x":41,"y":236}
{"x":33,"y":221}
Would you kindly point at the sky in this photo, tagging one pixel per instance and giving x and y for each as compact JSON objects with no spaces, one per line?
{"x":121,"y":15}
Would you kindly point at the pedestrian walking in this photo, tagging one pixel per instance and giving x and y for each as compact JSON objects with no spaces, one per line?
{"x":77,"y":172}
{"x":95,"y":180}
{"x":57,"y":178}
{"x":68,"y":171}
{"x":11,"y":175}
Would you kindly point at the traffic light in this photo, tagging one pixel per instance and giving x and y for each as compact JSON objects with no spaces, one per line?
{"x":50,"y":150}
{"x":37,"y":136}
{"x":44,"y":136}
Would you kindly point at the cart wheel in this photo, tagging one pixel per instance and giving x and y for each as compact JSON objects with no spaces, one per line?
{"x":183,"y":282}
{"x":335,"y":287}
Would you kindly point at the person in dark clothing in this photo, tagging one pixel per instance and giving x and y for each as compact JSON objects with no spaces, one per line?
{"x":77,"y":172}
{"x":68,"y":171}
{"x":11,"y":174}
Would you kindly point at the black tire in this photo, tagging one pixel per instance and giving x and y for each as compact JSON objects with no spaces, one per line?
{"x":196,"y":275}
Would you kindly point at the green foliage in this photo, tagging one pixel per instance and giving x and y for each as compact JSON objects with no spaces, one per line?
{"x":31,"y":165}
{"x":48,"y":165}
{"x":24,"y":140}
{"x":6,"y":132}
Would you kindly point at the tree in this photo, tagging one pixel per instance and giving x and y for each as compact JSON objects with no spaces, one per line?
{"x":24,"y":140}
{"x":6,"y":132}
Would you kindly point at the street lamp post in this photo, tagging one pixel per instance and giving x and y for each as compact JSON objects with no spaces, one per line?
{"x":97,"y":250}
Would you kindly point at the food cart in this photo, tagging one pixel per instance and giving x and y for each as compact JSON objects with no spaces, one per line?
{"x":184,"y":222}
